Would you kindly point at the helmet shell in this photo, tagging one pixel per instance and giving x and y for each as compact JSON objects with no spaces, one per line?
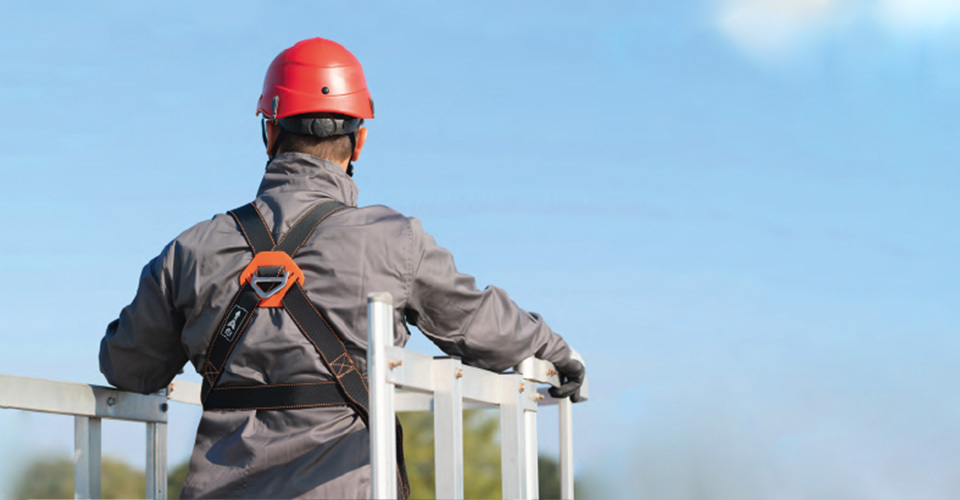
{"x":315,"y":76}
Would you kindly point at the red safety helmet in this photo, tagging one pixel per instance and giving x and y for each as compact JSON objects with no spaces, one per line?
{"x":315,"y":76}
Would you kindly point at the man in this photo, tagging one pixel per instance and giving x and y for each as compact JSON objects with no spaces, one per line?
{"x":282,"y":417}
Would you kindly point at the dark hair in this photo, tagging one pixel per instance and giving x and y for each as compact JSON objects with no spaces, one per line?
{"x":337,"y":148}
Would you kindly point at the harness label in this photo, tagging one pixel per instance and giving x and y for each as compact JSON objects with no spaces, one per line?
{"x":234,"y":320}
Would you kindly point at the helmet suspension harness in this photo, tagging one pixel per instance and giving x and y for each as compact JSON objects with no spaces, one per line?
{"x":316,"y":127}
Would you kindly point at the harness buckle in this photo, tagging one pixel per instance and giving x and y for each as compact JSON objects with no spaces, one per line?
{"x":268,"y":286}
{"x":271,"y":274}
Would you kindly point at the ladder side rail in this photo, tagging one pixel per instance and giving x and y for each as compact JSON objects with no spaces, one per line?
{"x":448,"y":428}
{"x":534,"y":371}
{"x":530,"y":453}
{"x":413,"y":371}
{"x":543,"y":372}
{"x":89,"y":405}
{"x":76,"y":399}
{"x":86,"y":457}
{"x":566,"y":448}
{"x":383,"y":443}
{"x":404,"y":401}
{"x":481,"y":388}
{"x":512,"y":439}
{"x":184,"y":391}
{"x":447,"y":387}
{"x":156,"y":470}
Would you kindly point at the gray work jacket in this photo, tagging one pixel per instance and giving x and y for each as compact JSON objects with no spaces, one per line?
{"x":314,"y":452}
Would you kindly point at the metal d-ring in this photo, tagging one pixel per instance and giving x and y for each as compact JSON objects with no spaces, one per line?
{"x":256,"y":280}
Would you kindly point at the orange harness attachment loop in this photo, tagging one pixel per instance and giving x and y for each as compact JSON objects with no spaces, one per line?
{"x":271,"y":288}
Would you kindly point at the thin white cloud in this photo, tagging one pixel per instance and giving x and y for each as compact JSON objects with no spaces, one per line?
{"x":918,"y":16}
{"x":772,"y":29}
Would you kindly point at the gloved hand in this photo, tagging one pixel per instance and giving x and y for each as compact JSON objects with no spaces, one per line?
{"x":572,"y":372}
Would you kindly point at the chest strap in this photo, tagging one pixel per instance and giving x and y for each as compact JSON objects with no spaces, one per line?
{"x":270,"y":286}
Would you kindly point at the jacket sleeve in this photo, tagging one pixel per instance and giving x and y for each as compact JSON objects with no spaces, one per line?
{"x":484,"y":327}
{"x":141,"y":351}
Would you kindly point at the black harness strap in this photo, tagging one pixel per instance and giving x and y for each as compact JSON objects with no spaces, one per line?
{"x":238,"y":316}
{"x":303,"y":228}
{"x":231,"y":328}
{"x":329,"y":346}
{"x":275,"y":396}
{"x":254,"y":228}
{"x":349,"y":387}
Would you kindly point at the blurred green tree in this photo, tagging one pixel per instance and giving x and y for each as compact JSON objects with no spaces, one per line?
{"x":481,"y":468}
{"x":481,"y":451}
{"x":53,"y":478}
{"x":548,"y":476}
{"x":175,"y":477}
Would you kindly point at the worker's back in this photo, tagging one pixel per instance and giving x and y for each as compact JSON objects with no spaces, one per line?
{"x":315,"y":452}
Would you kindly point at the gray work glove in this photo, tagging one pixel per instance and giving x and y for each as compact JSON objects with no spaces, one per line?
{"x":572,"y":372}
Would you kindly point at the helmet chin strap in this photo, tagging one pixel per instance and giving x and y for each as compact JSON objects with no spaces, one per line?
{"x":353,"y":146}
{"x":271,"y":152}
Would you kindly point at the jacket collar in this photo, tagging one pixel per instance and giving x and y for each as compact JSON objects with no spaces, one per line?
{"x":305,"y":172}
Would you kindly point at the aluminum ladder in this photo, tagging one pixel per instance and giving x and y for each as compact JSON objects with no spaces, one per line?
{"x":447,"y":387}
{"x":441,"y":385}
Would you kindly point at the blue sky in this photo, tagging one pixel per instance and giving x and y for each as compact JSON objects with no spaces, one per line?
{"x":742,"y":212}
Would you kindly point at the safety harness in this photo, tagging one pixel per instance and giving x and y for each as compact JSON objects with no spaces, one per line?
{"x":273,"y":279}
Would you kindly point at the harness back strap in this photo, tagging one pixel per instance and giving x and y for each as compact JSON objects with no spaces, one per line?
{"x":246,"y":301}
{"x":274,"y":396}
{"x":254,"y":228}
{"x":349,"y":387}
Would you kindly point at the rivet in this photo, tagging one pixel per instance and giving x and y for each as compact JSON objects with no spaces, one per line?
{"x":111,"y":401}
{"x":538,"y":397}
{"x":459,"y":373}
{"x":521,"y":386}
{"x":325,"y":90}
{"x":163,"y":407}
{"x":551,"y":372}
{"x":393,"y":364}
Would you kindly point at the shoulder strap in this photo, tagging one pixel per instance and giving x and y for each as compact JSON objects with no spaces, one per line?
{"x":303,"y":228}
{"x":244,"y":303}
{"x":258,"y":235}
{"x":231,"y":328}
{"x":253,"y":227}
